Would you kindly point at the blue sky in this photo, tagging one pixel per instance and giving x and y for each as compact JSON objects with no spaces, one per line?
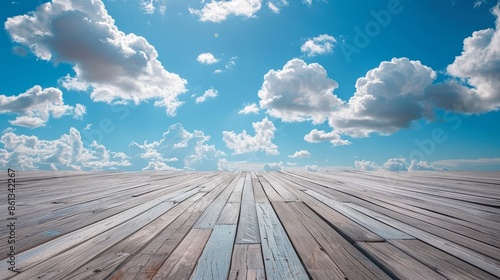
{"x":250,"y":85}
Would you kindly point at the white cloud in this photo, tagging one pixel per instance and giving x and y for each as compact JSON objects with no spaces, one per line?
{"x":179,"y":148}
{"x":209,"y":94}
{"x":387,"y":99}
{"x":273,"y":166}
{"x":312,"y":168}
{"x":300,"y":154}
{"x":218,"y":11}
{"x":422,"y":166}
{"x":162,"y":9}
{"x":207,"y":58}
{"x":117,"y":67}
{"x":365,"y":165}
{"x":291,"y":163}
{"x":249,"y":109}
{"x":88,"y":126}
{"x":273,"y":8}
{"x":147,"y":6}
{"x":299,"y":92}
{"x":316,"y":136}
{"x":478,"y":3}
{"x":323,"y":44}
{"x":35,"y":107}
{"x":67,"y":152}
{"x":80,"y":111}
{"x":158,"y":165}
{"x":308,"y":2}
{"x":262,"y":140}
{"x":478,"y":72}
{"x":396,"y":164}
{"x":228,"y":66}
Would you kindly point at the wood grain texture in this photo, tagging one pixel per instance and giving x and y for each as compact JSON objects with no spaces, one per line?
{"x":254,"y":225}
{"x":280,"y":259}
{"x":215,"y":260}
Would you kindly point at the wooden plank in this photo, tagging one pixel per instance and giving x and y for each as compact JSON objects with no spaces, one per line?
{"x":347,"y":261}
{"x":442,"y":262}
{"x":58,"y":267}
{"x":135,"y":241}
{"x":351,"y":230}
{"x":236,"y":195}
{"x":248,"y":227}
{"x":146,"y":262}
{"x":183,"y":259}
{"x":271,"y":193}
{"x":383,"y":230}
{"x":397,"y":263}
{"x":52,"y":248}
{"x":99,"y":267}
{"x":475,"y":258}
{"x":215,"y":260}
{"x":282,"y":191}
{"x":280,"y":259}
{"x":210,"y":216}
{"x":258,"y":191}
{"x":317,"y":262}
{"x":247,"y":263}
{"x":229,"y":214}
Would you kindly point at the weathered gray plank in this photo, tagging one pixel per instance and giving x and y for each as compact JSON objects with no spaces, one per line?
{"x":247,"y":263}
{"x":398,"y":263}
{"x":183,"y":259}
{"x":229,"y":214}
{"x":381,"y":229}
{"x":248,"y":227}
{"x":280,"y":259}
{"x":215,"y":260}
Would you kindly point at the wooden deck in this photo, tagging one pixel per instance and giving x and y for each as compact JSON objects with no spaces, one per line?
{"x":254,"y":225}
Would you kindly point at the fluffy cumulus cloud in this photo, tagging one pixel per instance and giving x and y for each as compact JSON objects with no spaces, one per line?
{"x":114,"y":66}
{"x":207,"y":58}
{"x":147,"y":6}
{"x":67,"y":152}
{"x":244,"y":143}
{"x":218,"y":11}
{"x":300,"y":154}
{"x":178,"y":149}
{"x":312,"y":168}
{"x":299,"y":92}
{"x":416,"y":165}
{"x":208,"y":94}
{"x":477,"y":69}
{"x":273,"y":166}
{"x":316,"y":136}
{"x":366,"y":165}
{"x":396,"y":164}
{"x":35,"y":107}
{"x":323,"y":44}
{"x":387,"y":99}
{"x":249,"y":109}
